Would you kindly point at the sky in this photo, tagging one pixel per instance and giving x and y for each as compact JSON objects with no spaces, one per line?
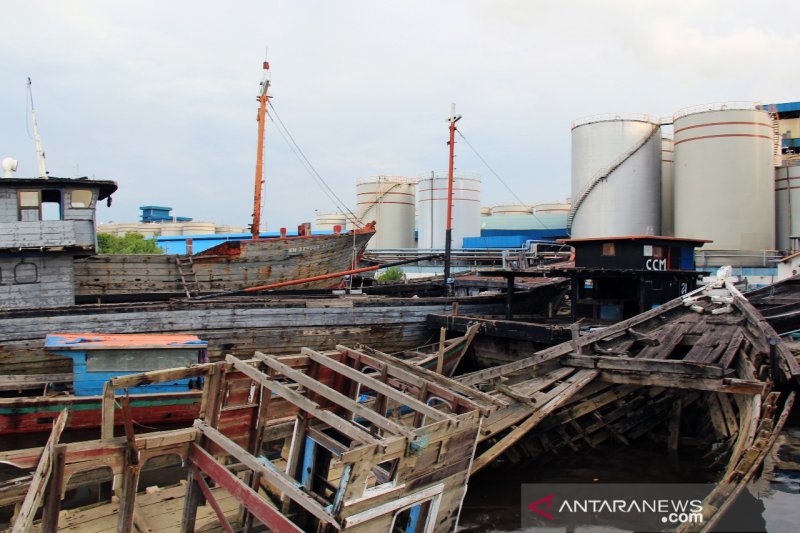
{"x":161,"y":96}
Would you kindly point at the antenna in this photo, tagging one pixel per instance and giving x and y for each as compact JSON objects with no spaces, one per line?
{"x":37,"y":139}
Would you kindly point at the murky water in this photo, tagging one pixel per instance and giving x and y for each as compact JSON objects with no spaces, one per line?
{"x":493,"y":499}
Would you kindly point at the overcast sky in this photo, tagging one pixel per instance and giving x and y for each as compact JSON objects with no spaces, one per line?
{"x":161,"y":96}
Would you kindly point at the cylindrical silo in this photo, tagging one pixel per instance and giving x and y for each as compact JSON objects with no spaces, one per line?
{"x":328,"y":221}
{"x":514,"y":209}
{"x":486,"y":211}
{"x":787,"y":204}
{"x":616,"y":177}
{"x":667,"y":207}
{"x":389,"y":201}
{"x":198,"y":228}
{"x":723,"y":180}
{"x":170,"y":229}
{"x":432,"y":196}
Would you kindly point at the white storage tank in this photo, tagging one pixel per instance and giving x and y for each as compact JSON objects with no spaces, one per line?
{"x":723,"y":179}
{"x":327,"y":221}
{"x":390,"y":202}
{"x":667,"y":207}
{"x":199,"y":228}
{"x":616,"y":177}
{"x":171,"y":229}
{"x":514,"y":209}
{"x":109,"y":228}
{"x":432,"y":196}
{"x":124,"y":229}
{"x":149,"y":229}
{"x":486,"y":211}
{"x":539,"y":209}
{"x":787,"y":204}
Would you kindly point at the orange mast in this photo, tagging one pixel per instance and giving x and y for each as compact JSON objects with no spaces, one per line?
{"x":262,"y":112}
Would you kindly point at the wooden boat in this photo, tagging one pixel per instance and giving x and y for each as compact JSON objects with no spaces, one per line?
{"x":230,"y":266}
{"x":779,"y":303}
{"x":97,"y":358}
{"x":334,"y":441}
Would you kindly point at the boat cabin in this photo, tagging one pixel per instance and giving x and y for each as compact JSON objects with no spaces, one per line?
{"x":44,"y":225}
{"x":96,"y":358}
{"x":615,"y":278}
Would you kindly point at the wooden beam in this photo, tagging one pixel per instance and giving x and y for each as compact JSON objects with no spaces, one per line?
{"x":575,"y":383}
{"x":107,"y":414}
{"x":43,"y":472}
{"x":336,"y":397}
{"x":403,"y":370}
{"x":374,"y":384}
{"x":336,"y":422}
{"x":31,"y":381}
{"x":221,"y":518}
{"x":261,"y":508}
{"x":130,"y":474}
{"x":504,"y":329}
{"x":269,"y":471}
{"x":728,"y":385}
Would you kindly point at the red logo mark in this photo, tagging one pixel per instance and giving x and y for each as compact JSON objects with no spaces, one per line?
{"x":535,"y":506}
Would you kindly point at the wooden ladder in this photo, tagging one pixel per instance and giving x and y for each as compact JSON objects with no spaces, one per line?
{"x":188,"y":275}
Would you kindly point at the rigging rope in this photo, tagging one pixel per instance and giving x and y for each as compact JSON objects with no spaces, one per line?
{"x":309,"y":168}
{"x":496,"y":175}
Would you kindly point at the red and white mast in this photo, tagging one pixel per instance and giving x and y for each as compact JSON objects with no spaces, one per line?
{"x":448,"y":236}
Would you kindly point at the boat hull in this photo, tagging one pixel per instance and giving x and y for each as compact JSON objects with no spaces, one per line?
{"x":230,"y":266}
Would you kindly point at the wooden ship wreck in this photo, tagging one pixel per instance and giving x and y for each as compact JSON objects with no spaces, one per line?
{"x":703,"y":372}
{"x":334,"y":441}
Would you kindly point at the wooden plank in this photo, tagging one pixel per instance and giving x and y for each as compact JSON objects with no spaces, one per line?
{"x":636,"y":364}
{"x":674,"y":427}
{"x":108,"y":407}
{"x":31,"y":381}
{"x":727,"y":385}
{"x":258,"y":506}
{"x":43,"y":472}
{"x":55,"y":487}
{"x":574,"y":384}
{"x":374,"y":384}
{"x":269,"y":471}
{"x":340,"y":424}
{"x":336,"y":397}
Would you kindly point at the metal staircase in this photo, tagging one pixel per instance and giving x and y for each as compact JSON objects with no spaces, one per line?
{"x":777,"y":138}
{"x":603,"y":174}
{"x":188,"y":275}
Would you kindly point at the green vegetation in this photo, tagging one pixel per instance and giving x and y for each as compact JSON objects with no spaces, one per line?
{"x":391,"y":274}
{"x":131,"y":243}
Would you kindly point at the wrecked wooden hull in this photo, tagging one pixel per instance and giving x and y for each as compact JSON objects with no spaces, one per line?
{"x":705,"y":371}
{"x":230,"y":266}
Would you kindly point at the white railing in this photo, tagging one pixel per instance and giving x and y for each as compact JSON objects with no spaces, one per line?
{"x":717,"y":106}
{"x":608,"y":117}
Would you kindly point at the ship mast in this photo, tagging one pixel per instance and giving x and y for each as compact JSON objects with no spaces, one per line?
{"x":37,"y":139}
{"x":262,"y":112}
{"x":448,"y":236}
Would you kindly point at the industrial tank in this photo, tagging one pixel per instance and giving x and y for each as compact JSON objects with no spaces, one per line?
{"x":432,"y":196}
{"x":667,"y":207}
{"x":328,"y":221}
{"x":514,"y":209}
{"x":171,"y":229}
{"x":723,"y":179}
{"x":787,"y":204}
{"x":616,"y":177}
{"x":486,"y":211}
{"x":389,"y":201}
{"x":198,"y":228}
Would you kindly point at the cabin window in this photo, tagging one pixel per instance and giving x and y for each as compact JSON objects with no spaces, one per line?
{"x":416,"y":518}
{"x":29,"y":205}
{"x":656,"y":252}
{"x":51,"y":204}
{"x":81,"y":198}
{"x":609,"y":249}
{"x":26,"y":273}
{"x":138,"y":360}
{"x":382,"y":475}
